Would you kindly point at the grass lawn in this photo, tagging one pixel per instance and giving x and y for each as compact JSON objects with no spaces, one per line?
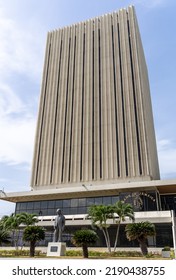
{"x":77,"y":254}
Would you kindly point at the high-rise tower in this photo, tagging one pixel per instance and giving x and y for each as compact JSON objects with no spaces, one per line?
{"x":95,"y":142}
{"x":95,"y":118}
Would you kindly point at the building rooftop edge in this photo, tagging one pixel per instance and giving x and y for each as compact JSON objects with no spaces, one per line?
{"x":167,"y":186}
{"x":93,"y":18}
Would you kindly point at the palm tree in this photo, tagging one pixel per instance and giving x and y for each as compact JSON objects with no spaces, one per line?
{"x":122,"y":210}
{"x":12,"y":223}
{"x":140,"y":231}
{"x":99,"y":215}
{"x":32,"y":234}
{"x":84,"y":238}
{"x":28,"y":219}
{"x":4,"y":236}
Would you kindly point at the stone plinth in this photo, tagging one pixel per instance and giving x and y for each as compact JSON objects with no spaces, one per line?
{"x":56,"y":249}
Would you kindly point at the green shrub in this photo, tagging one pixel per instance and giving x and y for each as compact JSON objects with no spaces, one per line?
{"x":166,"y":248}
{"x":73,"y":253}
{"x":18,"y":253}
{"x":77,"y":253}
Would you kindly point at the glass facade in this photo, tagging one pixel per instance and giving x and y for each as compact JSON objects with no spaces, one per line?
{"x":141,"y":201}
{"x":163,"y":237}
{"x":168,"y":202}
{"x":71,"y":206}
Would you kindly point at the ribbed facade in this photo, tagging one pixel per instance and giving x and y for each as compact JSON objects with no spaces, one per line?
{"x":95,"y":117}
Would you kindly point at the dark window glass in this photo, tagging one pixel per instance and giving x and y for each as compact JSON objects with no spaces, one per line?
{"x":23,"y":206}
{"x":82,"y":202}
{"x":90,"y":201}
{"x":36,"y":205}
{"x":44,"y":212}
{"x":51,"y":204}
{"x":51,"y":212}
{"x":74,"y":206}
{"x":18,"y":206}
{"x":98,"y":200}
{"x":74,"y":202}
{"x":30,"y":205}
{"x":58,"y":204}
{"x":87,"y":209}
{"x":73,"y":210}
{"x":44,"y":204}
{"x":115,"y":199}
{"x":35,"y":211}
{"x":82,"y":210}
{"x":66,"y":203}
{"x":67,"y":211}
{"x":107,"y":200}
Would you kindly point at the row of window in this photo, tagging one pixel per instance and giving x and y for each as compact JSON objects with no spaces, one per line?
{"x":140,"y":202}
{"x":68,"y":206}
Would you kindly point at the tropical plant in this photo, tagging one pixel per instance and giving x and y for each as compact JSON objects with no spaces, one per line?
{"x":4,"y":236}
{"x":28,"y":218}
{"x":166,"y":249}
{"x":84,"y":238}
{"x":99,"y":215}
{"x":122,"y":210}
{"x":140,"y":232}
{"x":32,"y":234}
{"x":12,"y":223}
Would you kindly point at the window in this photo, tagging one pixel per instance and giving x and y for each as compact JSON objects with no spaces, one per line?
{"x":107,"y":200}
{"x":82,"y":201}
{"x":58,"y":204}
{"x":98,"y":200}
{"x":23,"y":206}
{"x":66,"y":203}
{"x":51,"y":204}
{"x":90,"y":201}
{"x":68,"y":206}
{"x":74,"y":202}
{"x":36,"y":205}
{"x":30,"y":205}
{"x":18,"y":206}
{"x":44,"y":204}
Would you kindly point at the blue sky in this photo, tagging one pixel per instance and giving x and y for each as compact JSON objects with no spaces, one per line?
{"x":23,"y":30}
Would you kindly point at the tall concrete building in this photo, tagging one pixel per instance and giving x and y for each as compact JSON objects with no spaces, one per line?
{"x":95,"y":141}
{"x":95,"y":118}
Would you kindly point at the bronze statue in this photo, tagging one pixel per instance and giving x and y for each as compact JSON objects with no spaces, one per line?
{"x":59,"y":225}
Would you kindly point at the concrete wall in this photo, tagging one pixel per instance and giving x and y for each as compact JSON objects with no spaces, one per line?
{"x":95,"y":117}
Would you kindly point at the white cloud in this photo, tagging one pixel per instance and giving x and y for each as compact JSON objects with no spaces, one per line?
{"x":167,"y":158}
{"x":21,"y":57}
{"x":9,"y":102}
{"x":17,"y":128}
{"x":17,"y":140}
{"x":20,"y":49}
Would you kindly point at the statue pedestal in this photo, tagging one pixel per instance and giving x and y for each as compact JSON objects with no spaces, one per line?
{"x":56,"y":249}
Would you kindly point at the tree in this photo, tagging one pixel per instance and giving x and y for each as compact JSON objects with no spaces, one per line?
{"x":32,"y":234}
{"x":84,"y":238}
{"x":4,"y":236}
{"x":28,"y":218}
{"x":140,"y":232}
{"x":122,"y":210}
{"x":99,"y":215}
{"x":12,"y":223}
